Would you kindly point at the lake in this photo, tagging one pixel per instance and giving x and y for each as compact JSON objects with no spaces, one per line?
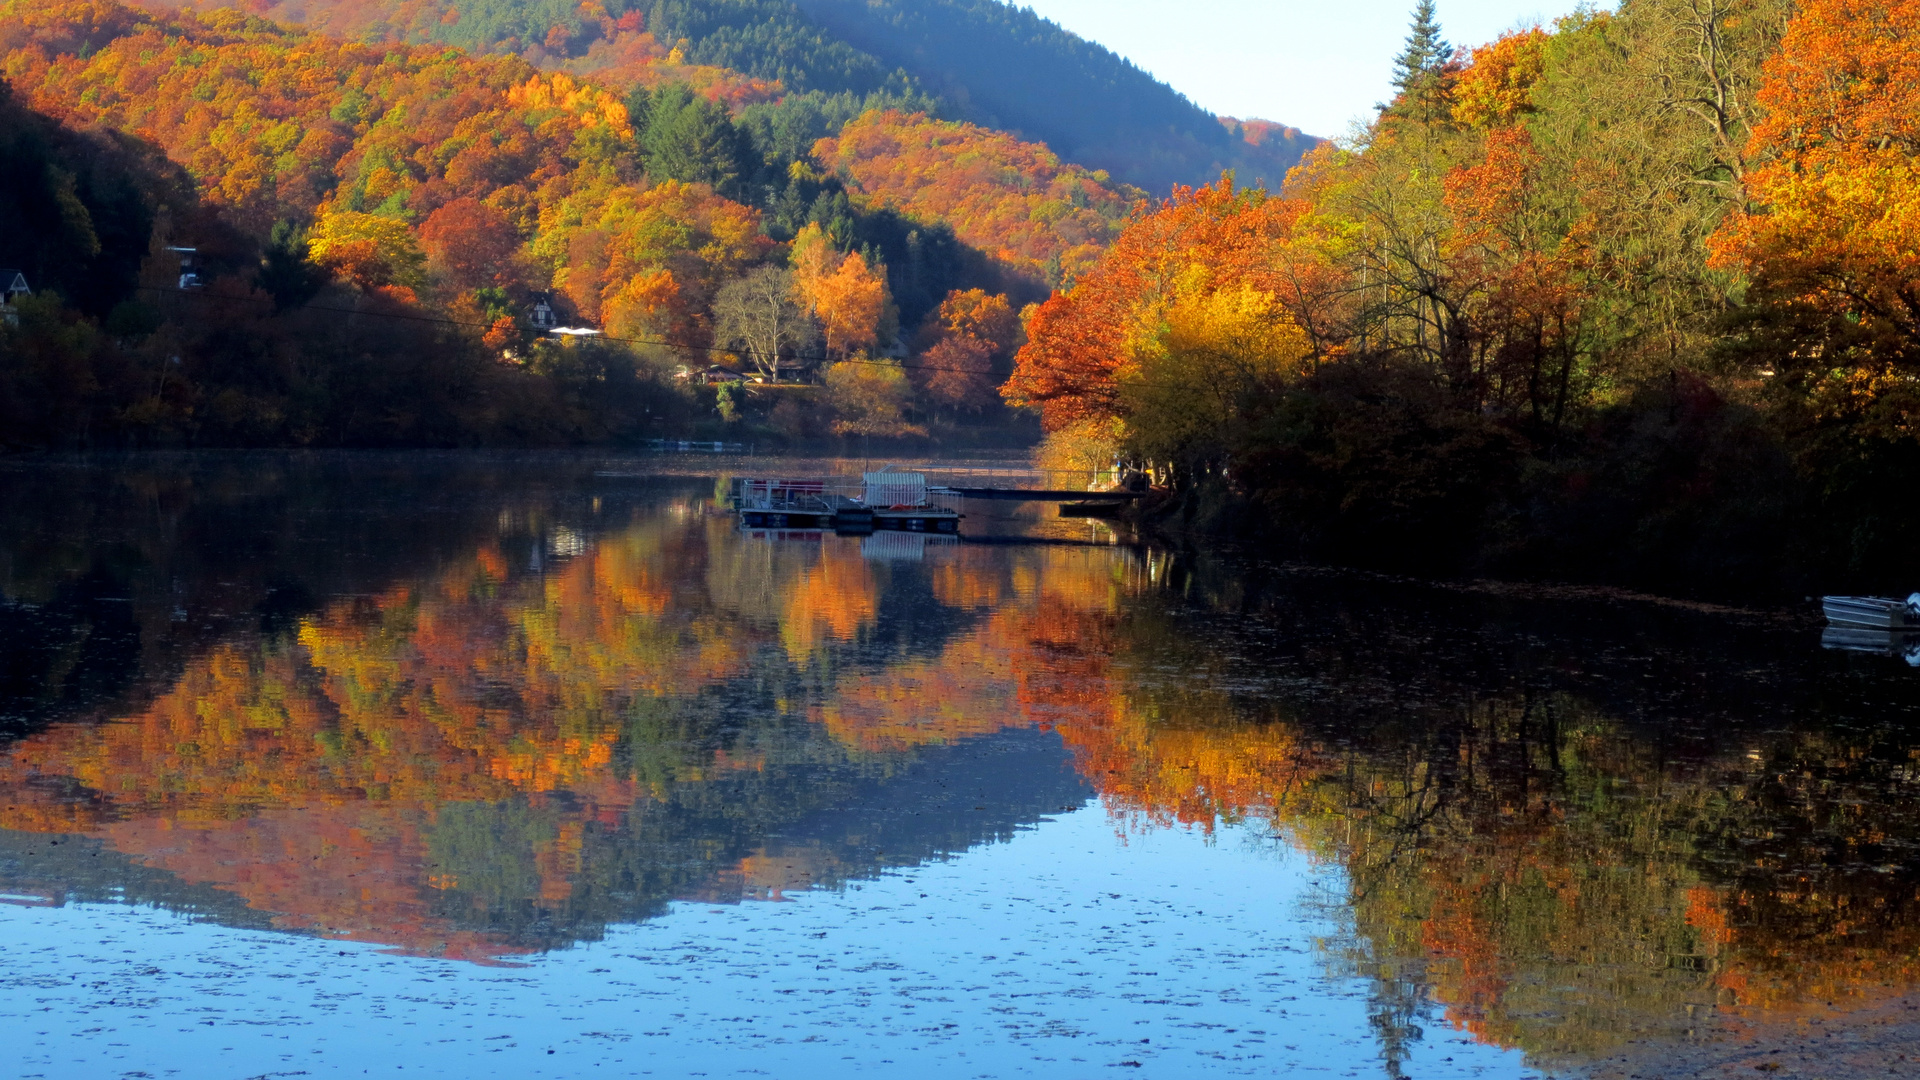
{"x":539,"y":765}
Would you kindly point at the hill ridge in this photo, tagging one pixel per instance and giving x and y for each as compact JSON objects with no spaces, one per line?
{"x":981,"y":61}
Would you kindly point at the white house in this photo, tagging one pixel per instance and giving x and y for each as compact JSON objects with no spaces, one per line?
{"x":542,"y":317}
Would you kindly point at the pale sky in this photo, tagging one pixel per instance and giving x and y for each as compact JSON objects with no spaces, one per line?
{"x":1314,"y":64}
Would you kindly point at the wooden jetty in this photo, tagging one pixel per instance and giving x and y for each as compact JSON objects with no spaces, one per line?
{"x":1095,"y":494}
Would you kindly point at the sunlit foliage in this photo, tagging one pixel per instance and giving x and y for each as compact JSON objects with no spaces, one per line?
{"x":1014,"y":199}
{"x":1486,"y":332}
{"x":1833,"y":240}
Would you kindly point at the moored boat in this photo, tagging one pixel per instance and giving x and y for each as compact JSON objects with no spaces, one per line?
{"x":1872,"y":612}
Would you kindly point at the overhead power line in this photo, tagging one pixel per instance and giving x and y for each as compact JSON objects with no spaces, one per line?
{"x":662,"y":342}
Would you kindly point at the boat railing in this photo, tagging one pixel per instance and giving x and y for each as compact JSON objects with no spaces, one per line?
{"x":825,"y":495}
{"x":1018,"y":477}
{"x":815,"y":494}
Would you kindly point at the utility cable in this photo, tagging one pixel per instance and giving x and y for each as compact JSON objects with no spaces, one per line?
{"x":444,"y":321}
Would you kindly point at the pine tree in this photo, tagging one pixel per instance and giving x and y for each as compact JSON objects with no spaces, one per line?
{"x":1426,"y":51}
{"x":1419,"y":71}
{"x":688,"y":138}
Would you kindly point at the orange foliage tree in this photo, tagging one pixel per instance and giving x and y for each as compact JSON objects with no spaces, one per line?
{"x":471,"y":242}
{"x":1497,"y":85}
{"x":1833,"y":240}
{"x":1083,"y":343}
{"x":975,"y":313}
{"x":846,"y":294}
{"x":1518,"y":271}
{"x":372,"y":250}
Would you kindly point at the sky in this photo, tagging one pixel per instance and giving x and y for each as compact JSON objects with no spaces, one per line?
{"x":1315,"y":64}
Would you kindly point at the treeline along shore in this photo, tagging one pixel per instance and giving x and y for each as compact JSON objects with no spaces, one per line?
{"x":1629,"y":298}
{"x":1632,"y":298}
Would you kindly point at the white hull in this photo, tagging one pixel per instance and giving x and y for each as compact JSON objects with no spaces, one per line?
{"x":1871,"y":612}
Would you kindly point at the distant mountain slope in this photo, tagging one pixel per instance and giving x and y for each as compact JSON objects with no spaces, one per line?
{"x":1006,"y":67}
{"x":992,"y":64}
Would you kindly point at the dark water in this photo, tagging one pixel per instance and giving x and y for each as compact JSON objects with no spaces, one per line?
{"x":469,"y":765}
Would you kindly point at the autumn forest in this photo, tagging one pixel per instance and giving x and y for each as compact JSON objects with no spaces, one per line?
{"x":1628,"y":297}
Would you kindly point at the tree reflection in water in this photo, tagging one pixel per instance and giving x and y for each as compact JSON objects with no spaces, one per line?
{"x":491,"y":760}
{"x":1568,"y":823}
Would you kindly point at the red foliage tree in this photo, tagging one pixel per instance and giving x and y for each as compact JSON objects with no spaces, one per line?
{"x":963,"y":348}
{"x":958,"y":372}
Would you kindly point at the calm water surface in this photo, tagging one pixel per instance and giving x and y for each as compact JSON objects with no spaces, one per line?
{"x":478,"y":766}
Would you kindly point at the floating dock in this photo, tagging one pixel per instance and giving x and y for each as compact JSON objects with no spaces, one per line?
{"x":905,"y":501}
{"x":883,"y":500}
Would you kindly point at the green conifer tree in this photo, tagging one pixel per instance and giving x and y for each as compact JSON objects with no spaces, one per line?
{"x":1426,"y":51}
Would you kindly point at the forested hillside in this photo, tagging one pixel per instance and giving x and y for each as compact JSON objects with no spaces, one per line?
{"x":975,"y":60}
{"x":1551,"y":315}
{"x":1013,"y":199}
{"x":447,"y":194}
{"x":77,"y":209}
{"x":740,"y":54}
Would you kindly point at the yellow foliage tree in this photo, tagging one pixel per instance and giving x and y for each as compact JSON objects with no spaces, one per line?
{"x":1217,"y":351}
{"x":591,"y":106}
{"x":871,"y":397}
{"x":647,"y":259}
{"x":1499,"y":85}
{"x":369,"y":249}
{"x":813,"y":258}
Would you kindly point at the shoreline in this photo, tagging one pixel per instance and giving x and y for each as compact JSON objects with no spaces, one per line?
{"x":1875,"y":1040}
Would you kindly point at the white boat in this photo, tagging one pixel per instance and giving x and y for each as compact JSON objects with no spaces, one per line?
{"x":1872,"y":612}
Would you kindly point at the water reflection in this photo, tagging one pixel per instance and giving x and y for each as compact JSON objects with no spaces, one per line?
{"x":1573,"y":828}
{"x":479,"y":718}
{"x":507,"y":754}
